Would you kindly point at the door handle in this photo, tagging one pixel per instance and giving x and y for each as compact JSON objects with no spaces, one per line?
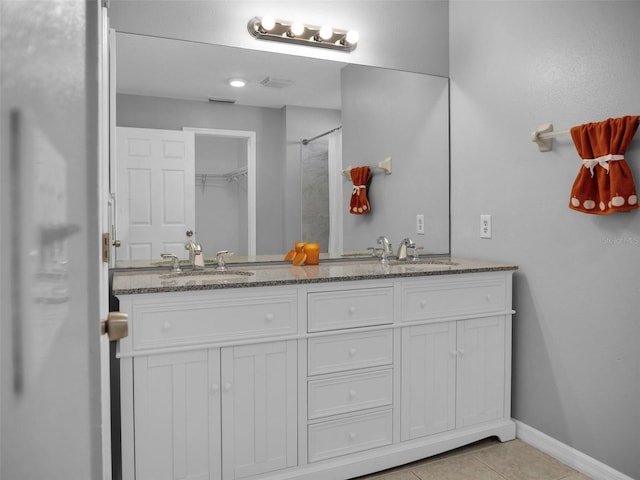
{"x":116,"y":326}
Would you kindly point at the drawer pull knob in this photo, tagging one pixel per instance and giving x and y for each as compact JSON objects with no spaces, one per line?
{"x":269,"y":317}
{"x":352,"y":310}
{"x":166,"y":325}
{"x":423,"y":303}
{"x":352,"y":394}
{"x":352,"y":352}
{"x":352,"y":436}
{"x":227,"y":387}
{"x":488,"y":297}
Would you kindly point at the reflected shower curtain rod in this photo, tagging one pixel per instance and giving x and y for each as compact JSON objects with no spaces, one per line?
{"x":307,"y":140}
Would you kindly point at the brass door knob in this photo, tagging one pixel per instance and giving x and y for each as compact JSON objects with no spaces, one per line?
{"x":116,"y":326}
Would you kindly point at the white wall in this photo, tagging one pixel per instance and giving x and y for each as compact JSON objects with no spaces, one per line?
{"x":514,"y":66}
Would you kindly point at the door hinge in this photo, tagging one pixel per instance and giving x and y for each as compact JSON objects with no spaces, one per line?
{"x":106,"y":247}
{"x":116,"y":326}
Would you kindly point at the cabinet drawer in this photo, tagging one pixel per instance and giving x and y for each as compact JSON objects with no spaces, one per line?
{"x":181,"y":322}
{"x":338,"y":353}
{"x":350,"y":308}
{"x":349,"y":393}
{"x":437,"y":299}
{"x":350,"y":435}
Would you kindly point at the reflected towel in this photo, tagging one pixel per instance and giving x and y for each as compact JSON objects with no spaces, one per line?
{"x":359,"y":204}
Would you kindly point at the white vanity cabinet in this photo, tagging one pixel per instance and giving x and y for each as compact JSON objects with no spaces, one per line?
{"x":455,"y":370}
{"x":308,"y":381}
{"x":209,"y":413}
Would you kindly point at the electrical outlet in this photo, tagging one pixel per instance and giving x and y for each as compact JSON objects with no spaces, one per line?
{"x":420,"y":224}
{"x":485,"y":226}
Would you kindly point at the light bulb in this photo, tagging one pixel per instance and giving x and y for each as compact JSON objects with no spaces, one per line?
{"x":297,"y":28}
{"x":237,"y":82}
{"x":352,"y":37}
{"x":268,"y":23}
{"x":326,"y":32}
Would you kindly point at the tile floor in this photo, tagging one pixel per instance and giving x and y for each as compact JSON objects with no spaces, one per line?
{"x":485,"y":460}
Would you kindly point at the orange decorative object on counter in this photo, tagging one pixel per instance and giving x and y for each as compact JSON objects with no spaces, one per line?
{"x":313,"y":253}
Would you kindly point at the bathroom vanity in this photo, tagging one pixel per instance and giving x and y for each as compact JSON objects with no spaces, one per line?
{"x":316,"y":372}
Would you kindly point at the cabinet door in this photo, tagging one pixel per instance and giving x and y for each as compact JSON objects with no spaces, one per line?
{"x":428,"y":379}
{"x":481,"y":370}
{"x":259,"y":408}
{"x":177,"y":405}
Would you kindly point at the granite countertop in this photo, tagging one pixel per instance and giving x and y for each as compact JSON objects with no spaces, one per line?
{"x":157,"y":281}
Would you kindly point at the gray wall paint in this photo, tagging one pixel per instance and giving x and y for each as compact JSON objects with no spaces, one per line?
{"x":410,"y":126}
{"x":268,"y":123}
{"x":514,"y":66}
{"x":390,"y":31}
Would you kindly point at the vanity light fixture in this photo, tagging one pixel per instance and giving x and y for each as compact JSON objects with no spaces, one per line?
{"x":269,"y":28}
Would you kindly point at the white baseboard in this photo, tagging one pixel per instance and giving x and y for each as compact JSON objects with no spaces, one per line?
{"x":586,"y":465}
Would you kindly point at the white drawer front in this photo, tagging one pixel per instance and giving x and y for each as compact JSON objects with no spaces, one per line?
{"x":349,"y":393}
{"x":438,"y":299}
{"x":338,"y":353}
{"x":203,"y":321}
{"x":350,"y":308}
{"x":354,"y":434}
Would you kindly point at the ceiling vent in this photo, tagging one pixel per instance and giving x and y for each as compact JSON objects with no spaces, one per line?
{"x":275,"y":82}
{"x":222,"y":100}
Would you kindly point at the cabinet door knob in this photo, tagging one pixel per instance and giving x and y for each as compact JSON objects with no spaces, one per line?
{"x":227,"y":387}
{"x":461,"y":352}
{"x":214,"y":388}
{"x":454,"y":353}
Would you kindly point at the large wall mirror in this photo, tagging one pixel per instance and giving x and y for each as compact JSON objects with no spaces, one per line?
{"x":353,"y":115}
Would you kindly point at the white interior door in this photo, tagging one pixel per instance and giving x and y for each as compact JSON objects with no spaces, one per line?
{"x":49,"y":260}
{"x":155,"y":199}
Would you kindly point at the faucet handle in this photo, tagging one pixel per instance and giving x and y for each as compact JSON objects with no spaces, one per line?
{"x":220,"y":260}
{"x":175,"y":261}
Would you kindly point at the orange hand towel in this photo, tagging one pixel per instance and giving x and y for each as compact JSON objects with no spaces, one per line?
{"x":359,"y":204}
{"x":605,"y":185}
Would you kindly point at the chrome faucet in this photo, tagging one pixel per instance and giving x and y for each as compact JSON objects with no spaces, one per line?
{"x":175,"y":262}
{"x":386,"y":248}
{"x":196,"y":259}
{"x":220,"y":260}
{"x":404,"y":245}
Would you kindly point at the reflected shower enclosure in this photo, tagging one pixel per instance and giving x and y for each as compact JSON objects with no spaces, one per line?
{"x":314,"y":158}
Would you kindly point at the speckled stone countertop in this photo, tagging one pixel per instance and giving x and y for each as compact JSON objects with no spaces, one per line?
{"x":161,"y":280}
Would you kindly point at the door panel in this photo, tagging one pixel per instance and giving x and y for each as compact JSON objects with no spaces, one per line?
{"x":428,"y":379}
{"x":259,"y":399}
{"x":481,"y":370}
{"x":49,"y":255}
{"x":155,"y":200}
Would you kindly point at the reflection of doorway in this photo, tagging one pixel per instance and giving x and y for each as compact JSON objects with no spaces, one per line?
{"x":225,"y":193}
{"x":153,"y":192}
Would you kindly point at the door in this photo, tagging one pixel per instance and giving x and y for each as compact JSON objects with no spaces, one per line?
{"x":177,"y":416}
{"x":481,"y":370}
{"x":49,"y":249}
{"x":259,"y":408}
{"x":428,"y":379}
{"x":155,"y":185}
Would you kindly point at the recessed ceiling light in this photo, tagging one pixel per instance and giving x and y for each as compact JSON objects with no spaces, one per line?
{"x":237,"y":82}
